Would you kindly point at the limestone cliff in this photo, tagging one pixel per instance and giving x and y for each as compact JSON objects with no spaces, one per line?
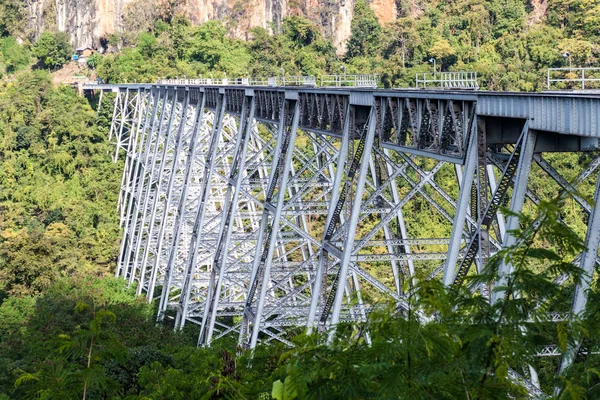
{"x":86,"y":21}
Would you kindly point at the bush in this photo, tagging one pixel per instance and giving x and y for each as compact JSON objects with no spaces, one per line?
{"x":94,"y":60}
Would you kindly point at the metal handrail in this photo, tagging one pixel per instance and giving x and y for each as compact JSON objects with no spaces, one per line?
{"x":358,"y":80}
{"x":272,"y":81}
{"x":447,"y":80}
{"x":204,"y":81}
{"x":300,"y":80}
{"x":576,"y":75}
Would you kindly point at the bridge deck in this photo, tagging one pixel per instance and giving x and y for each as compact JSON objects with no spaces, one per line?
{"x":565,"y":112}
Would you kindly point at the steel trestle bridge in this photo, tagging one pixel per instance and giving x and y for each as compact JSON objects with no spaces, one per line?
{"x":249,"y":211}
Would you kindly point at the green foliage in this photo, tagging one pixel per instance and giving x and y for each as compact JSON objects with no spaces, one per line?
{"x":13,"y":56}
{"x":85,"y":336}
{"x":208,"y":45}
{"x":497,"y":39}
{"x":12,"y":17}
{"x":467,"y":350}
{"x":178,"y":49}
{"x":301,"y":31}
{"x":66,"y":333}
{"x":53,"y":50}
{"x":366,"y":32}
{"x":59,"y":186}
{"x":94,"y":60}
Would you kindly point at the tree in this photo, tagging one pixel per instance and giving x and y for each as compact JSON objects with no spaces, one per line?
{"x":300,"y":31}
{"x":442,"y":50}
{"x":94,"y":60}
{"x":53,"y":50}
{"x":366,"y":32}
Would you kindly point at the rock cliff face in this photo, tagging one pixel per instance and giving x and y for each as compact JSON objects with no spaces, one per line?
{"x":334,"y":16}
{"x":86,"y":21}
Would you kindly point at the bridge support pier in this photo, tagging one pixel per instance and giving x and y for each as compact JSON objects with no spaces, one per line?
{"x":141,"y":190}
{"x":131,"y":187}
{"x":219,"y":267}
{"x":206,"y":187}
{"x":196,"y":134}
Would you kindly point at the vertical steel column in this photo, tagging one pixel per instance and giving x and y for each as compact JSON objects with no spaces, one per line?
{"x":249,"y":316}
{"x":126,"y":172}
{"x":353,"y":222}
{"x":275,"y":223}
{"x":228,"y":215}
{"x":195,"y":138}
{"x":387,"y":234}
{"x":499,"y":215}
{"x":401,"y":223}
{"x":587,"y":265}
{"x":127,"y":186}
{"x":207,"y":177}
{"x":100,"y":101}
{"x":115,"y":119}
{"x":516,"y":205}
{"x":462,"y":208}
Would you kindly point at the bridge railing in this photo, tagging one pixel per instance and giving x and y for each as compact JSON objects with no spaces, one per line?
{"x":292,"y":81}
{"x":359,"y":80}
{"x":272,"y":81}
{"x":572,"y":78}
{"x":447,"y":80}
{"x":210,"y":81}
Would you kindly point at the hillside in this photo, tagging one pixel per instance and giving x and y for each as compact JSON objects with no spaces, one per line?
{"x":70,"y":330}
{"x":509,"y":43}
{"x":87,"y":22}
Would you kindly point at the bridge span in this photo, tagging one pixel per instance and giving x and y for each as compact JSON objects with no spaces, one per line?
{"x":250,"y":210}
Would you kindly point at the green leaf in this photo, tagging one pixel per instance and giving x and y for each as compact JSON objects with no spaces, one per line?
{"x":563,"y":335}
{"x":25,"y":377}
{"x":278,"y":390}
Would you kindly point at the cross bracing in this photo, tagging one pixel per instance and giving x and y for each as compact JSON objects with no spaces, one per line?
{"x":260,"y":210}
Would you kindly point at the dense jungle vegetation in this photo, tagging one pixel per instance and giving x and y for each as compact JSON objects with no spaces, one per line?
{"x":68,"y":330}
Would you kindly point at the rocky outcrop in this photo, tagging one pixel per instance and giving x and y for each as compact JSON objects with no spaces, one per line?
{"x":86,"y":21}
{"x":540,"y":7}
{"x":334,"y":16}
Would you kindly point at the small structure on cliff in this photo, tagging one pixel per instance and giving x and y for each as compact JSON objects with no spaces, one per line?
{"x":84,"y":52}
